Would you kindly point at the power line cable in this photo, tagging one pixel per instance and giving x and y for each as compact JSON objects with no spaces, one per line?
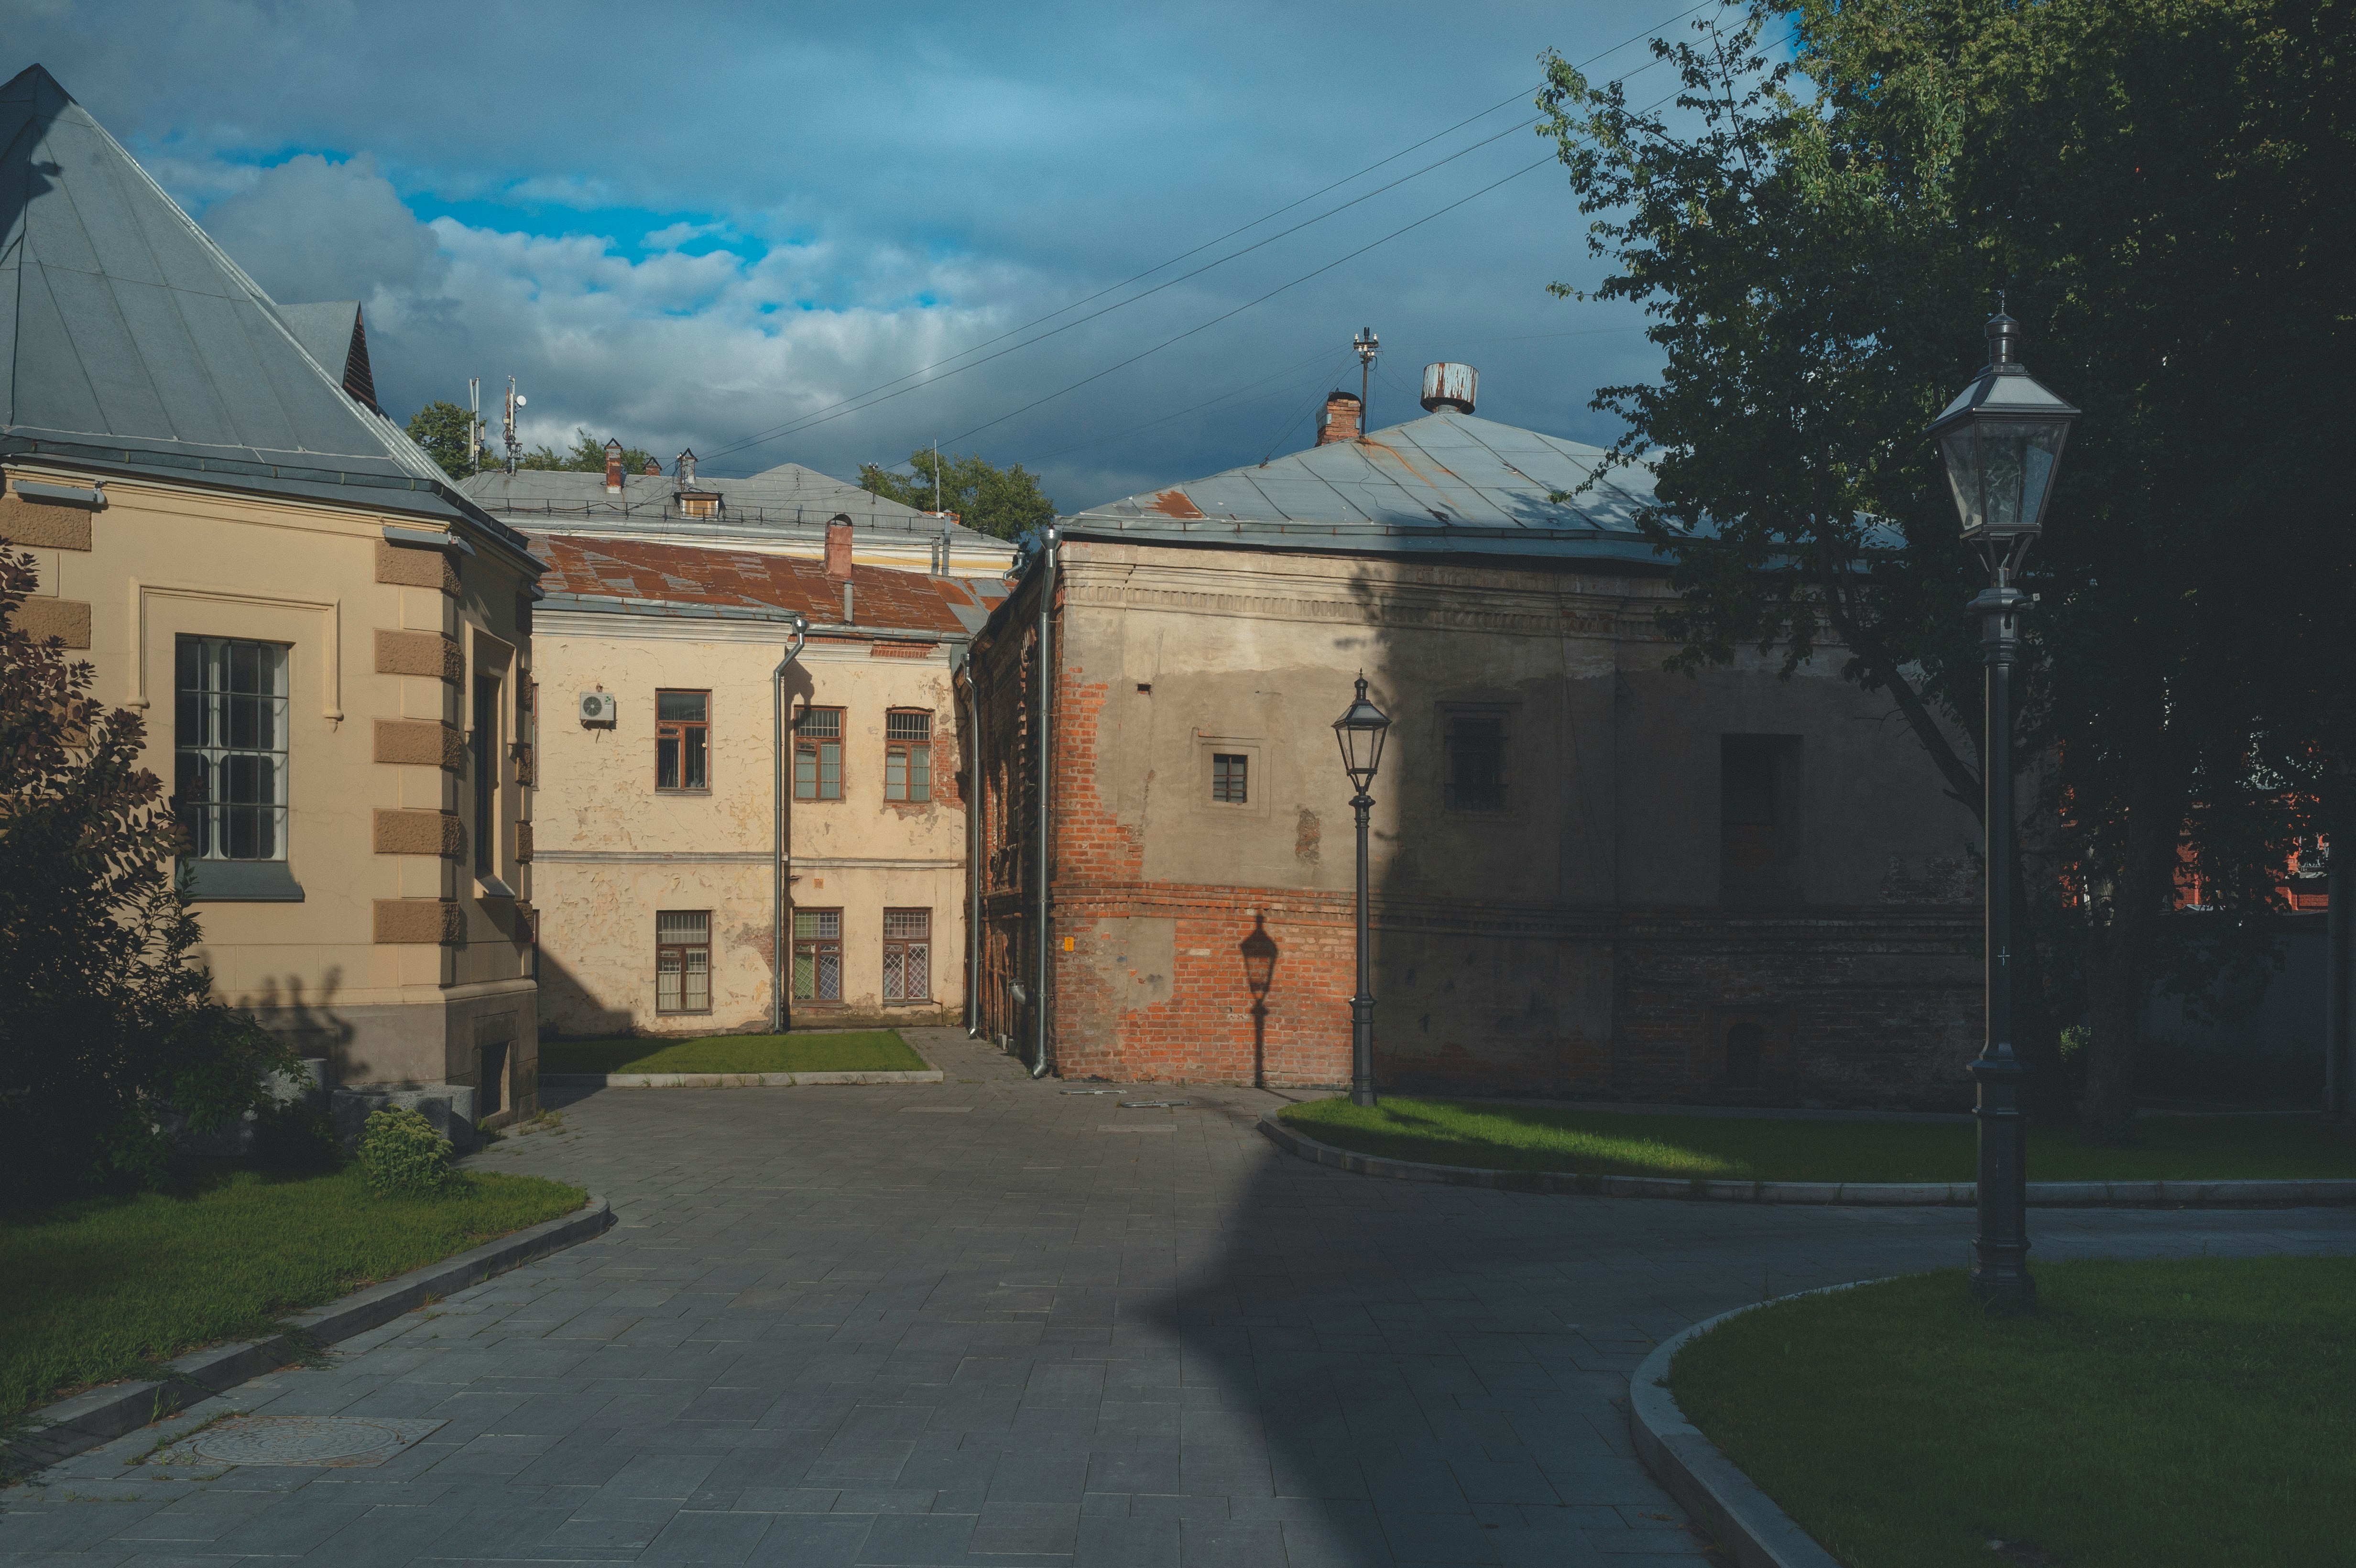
{"x":1205,"y":327}
{"x":1325,"y":361}
{"x":817,"y":415}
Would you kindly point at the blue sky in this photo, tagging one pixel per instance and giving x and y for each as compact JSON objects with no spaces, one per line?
{"x":690,"y":225}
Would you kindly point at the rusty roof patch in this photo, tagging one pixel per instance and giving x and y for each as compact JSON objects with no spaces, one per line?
{"x":1174,"y":504}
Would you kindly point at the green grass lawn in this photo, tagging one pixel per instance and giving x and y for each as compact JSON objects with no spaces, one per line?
{"x":103,"y":1288}
{"x":2169,"y":1414}
{"x":1743,"y":1148}
{"x":852,"y":1050}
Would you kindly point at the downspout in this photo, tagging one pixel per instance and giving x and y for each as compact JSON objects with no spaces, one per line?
{"x":1046,"y":761}
{"x":780,"y":938}
{"x":974,"y":844}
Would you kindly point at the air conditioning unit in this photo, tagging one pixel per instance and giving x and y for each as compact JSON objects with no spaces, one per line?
{"x":599,"y":708}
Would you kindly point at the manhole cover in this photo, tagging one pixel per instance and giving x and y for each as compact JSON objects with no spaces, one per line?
{"x":335,"y":1442}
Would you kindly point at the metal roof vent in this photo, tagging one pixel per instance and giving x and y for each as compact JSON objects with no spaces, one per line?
{"x":1449,"y":386}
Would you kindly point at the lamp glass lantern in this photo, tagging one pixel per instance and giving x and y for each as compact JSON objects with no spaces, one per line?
{"x":1361,"y":731}
{"x":2001,"y":440}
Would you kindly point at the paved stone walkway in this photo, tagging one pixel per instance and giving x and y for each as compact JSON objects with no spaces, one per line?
{"x":986,"y":1322}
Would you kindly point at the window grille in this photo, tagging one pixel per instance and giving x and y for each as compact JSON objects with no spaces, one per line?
{"x":818,"y":754}
{"x":1230,"y":775}
{"x":818,"y":955}
{"x":1476,"y":762}
{"x":907,"y":756}
{"x":907,"y":954}
{"x":684,"y":961}
{"x":231,"y":748}
{"x":682,"y":739}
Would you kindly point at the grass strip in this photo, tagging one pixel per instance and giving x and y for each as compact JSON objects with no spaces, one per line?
{"x":2180,"y":1413}
{"x":1758,"y":1148}
{"x":851,"y":1050}
{"x":103,"y":1288}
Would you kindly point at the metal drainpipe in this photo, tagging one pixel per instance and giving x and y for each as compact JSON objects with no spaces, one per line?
{"x":973,"y":806}
{"x":780,"y":939}
{"x":1046,"y":761}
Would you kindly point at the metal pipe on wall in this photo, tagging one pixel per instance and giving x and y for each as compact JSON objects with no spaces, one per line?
{"x":975,"y":842}
{"x":1046,"y":763}
{"x":780,"y":937}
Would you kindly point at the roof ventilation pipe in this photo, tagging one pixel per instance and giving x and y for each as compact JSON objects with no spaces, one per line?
{"x":1449,"y":386}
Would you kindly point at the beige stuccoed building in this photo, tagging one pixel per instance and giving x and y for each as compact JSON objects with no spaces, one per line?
{"x":661,"y":876}
{"x":330,"y":645}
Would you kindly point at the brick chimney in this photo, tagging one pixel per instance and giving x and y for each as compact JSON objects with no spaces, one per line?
{"x":612,"y":467}
{"x":654,"y":469}
{"x":1341,"y":421}
{"x":838,"y":548}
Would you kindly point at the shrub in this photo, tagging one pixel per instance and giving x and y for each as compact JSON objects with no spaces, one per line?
{"x":107,"y":1023}
{"x":404,"y":1156}
{"x":295,"y":1139}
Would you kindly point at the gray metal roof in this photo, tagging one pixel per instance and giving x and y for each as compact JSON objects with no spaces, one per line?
{"x":1447,"y":482}
{"x":789,"y":498}
{"x":332,"y":335}
{"x":129,"y":341}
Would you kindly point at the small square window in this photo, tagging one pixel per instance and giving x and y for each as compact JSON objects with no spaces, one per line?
{"x":1475,"y":777}
{"x":1231,"y":777}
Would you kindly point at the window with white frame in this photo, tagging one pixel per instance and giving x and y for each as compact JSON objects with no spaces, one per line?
{"x":907,"y":954}
{"x":684,"y":961}
{"x":229,"y":746}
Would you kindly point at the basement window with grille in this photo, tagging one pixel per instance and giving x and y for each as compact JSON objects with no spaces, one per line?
{"x":907,"y":954}
{"x":684,"y":961}
{"x":818,"y":955}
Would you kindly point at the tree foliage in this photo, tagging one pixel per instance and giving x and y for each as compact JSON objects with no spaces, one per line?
{"x":441,"y":429}
{"x":1004,"y":503}
{"x":2160,"y":186}
{"x":108,"y":1031}
{"x":587,"y":455}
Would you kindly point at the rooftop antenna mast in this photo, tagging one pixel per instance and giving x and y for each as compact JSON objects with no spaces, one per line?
{"x":937,"y":476}
{"x":515,"y":447}
{"x":1367,"y":345}
{"x":473,"y":424}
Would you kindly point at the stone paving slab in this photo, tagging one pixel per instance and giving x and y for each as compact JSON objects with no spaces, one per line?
{"x":822,"y":1332}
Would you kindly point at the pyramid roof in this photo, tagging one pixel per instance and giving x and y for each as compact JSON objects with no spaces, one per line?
{"x":131,"y":342}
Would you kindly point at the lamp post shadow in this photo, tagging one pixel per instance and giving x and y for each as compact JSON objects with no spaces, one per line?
{"x":1259,"y":953}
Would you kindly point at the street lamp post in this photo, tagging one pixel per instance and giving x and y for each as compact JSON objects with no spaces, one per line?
{"x":1360,"y":732}
{"x":2001,"y":440}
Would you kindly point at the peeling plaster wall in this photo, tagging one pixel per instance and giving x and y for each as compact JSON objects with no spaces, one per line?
{"x":613,"y":851}
{"x":1574,"y":941}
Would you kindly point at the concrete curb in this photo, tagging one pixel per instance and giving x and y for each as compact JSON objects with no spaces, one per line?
{"x":730,"y":1079}
{"x":1743,"y":1520}
{"x":2335,"y":1191}
{"x":102,"y":1415}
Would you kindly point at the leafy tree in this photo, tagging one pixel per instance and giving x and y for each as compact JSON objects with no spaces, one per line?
{"x":1004,"y":503}
{"x":2157,"y":183}
{"x":586,"y":456}
{"x":441,"y":429}
{"x":108,"y":1028}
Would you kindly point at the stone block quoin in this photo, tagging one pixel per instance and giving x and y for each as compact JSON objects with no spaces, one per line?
{"x":415,"y":566}
{"x":67,"y":620}
{"x":44,"y":524}
{"x":420,"y":743}
{"x":419,"y":922}
{"x":430,"y":654}
{"x":419,"y":833}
